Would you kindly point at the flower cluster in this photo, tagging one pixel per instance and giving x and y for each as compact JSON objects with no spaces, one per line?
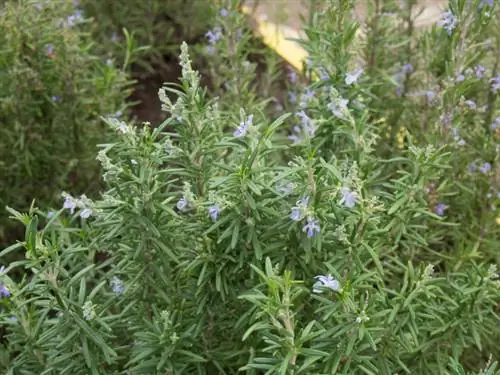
{"x":83,"y":203}
{"x":301,"y":211}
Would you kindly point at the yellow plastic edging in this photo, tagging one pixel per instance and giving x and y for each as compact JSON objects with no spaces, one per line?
{"x":277,"y":37}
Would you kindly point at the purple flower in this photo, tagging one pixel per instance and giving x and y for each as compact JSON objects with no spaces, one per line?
{"x":75,"y":18}
{"x":430,"y":95}
{"x":485,"y":168}
{"x":459,"y":77}
{"x":446,"y":119}
{"x":214,"y":211}
{"x":440,"y":208}
{"x":55,"y":98}
{"x":286,"y":189}
{"x":312,"y":226}
{"x":479,"y":70}
{"x":307,"y":124}
{"x":351,"y":78}
{"x":306,"y":97}
{"x":471,"y":104}
{"x":85,"y":213}
{"x":4,"y":292}
{"x":292,"y":97}
{"x":298,"y":212}
{"x":49,"y":49}
{"x":295,"y":137}
{"x":292,"y":76}
{"x":224,"y":12}
{"x":117,"y":285}
{"x":339,"y":107}
{"x":495,"y":124}
{"x":242,"y":130}
{"x":495,"y":84}
{"x":182,"y":204}
{"x":407,"y":68}
{"x":472,"y":167}
{"x":70,"y":203}
{"x":348,"y":197}
{"x":325,"y":282}
{"x":448,"y":22}
{"x":323,"y":74}
{"x":214,"y":35}
{"x":50,"y":215}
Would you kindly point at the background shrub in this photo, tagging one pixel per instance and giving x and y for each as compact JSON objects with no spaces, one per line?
{"x":157,"y":26}
{"x":53,"y":88}
{"x":349,"y":235}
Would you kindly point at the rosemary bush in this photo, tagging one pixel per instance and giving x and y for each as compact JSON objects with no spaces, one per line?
{"x":320,"y":241}
{"x":157,"y":27}
{"x":52,"y":90}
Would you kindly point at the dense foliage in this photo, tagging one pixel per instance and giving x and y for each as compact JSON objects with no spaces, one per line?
{"x":351,"y":229}
{"x":52,"y":91}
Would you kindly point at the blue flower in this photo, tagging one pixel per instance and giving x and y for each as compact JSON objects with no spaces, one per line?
{"x":323,"y":74}
{"x":49,"y":49}
{"x":292,"y":97}
{"x":485,"y":168}
{"x":292,"y":76}
{"x":407,"y":68}
{"x":75,"y":18}
{"x":182,"y":204}
{"x":224,"y":12}
{"x":307,"y":124}
{"x":214,"y":35}
{"x":55,"y":98}
{"x":348,"y":197}
{"x":117,"y":285}
{"x":351,"y":78}
{"x":214,"y":211}
{"x":430,"y":95}
{"x":440,"y":208}
{"x":446,"y":119}
{"x":295,"y":137}
{"x":298,"y":212}
{"x":286,"y":189}
{"x":242,"y":130}
{"x":4,"y":292}
{"x":85,"y":213}
{"x":70,"y":203}
{"x":495,"y":84}
{"x":312,"y":226}
{"x":306,"y":97}
{"x":448,"y":22}
{"x":339,"y":107}
{"x":472,"y":167}
{"x":471,"y":104}
{"x":325,"y":282}
{"x":495,"y":124}
{"x":479,"y":70}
